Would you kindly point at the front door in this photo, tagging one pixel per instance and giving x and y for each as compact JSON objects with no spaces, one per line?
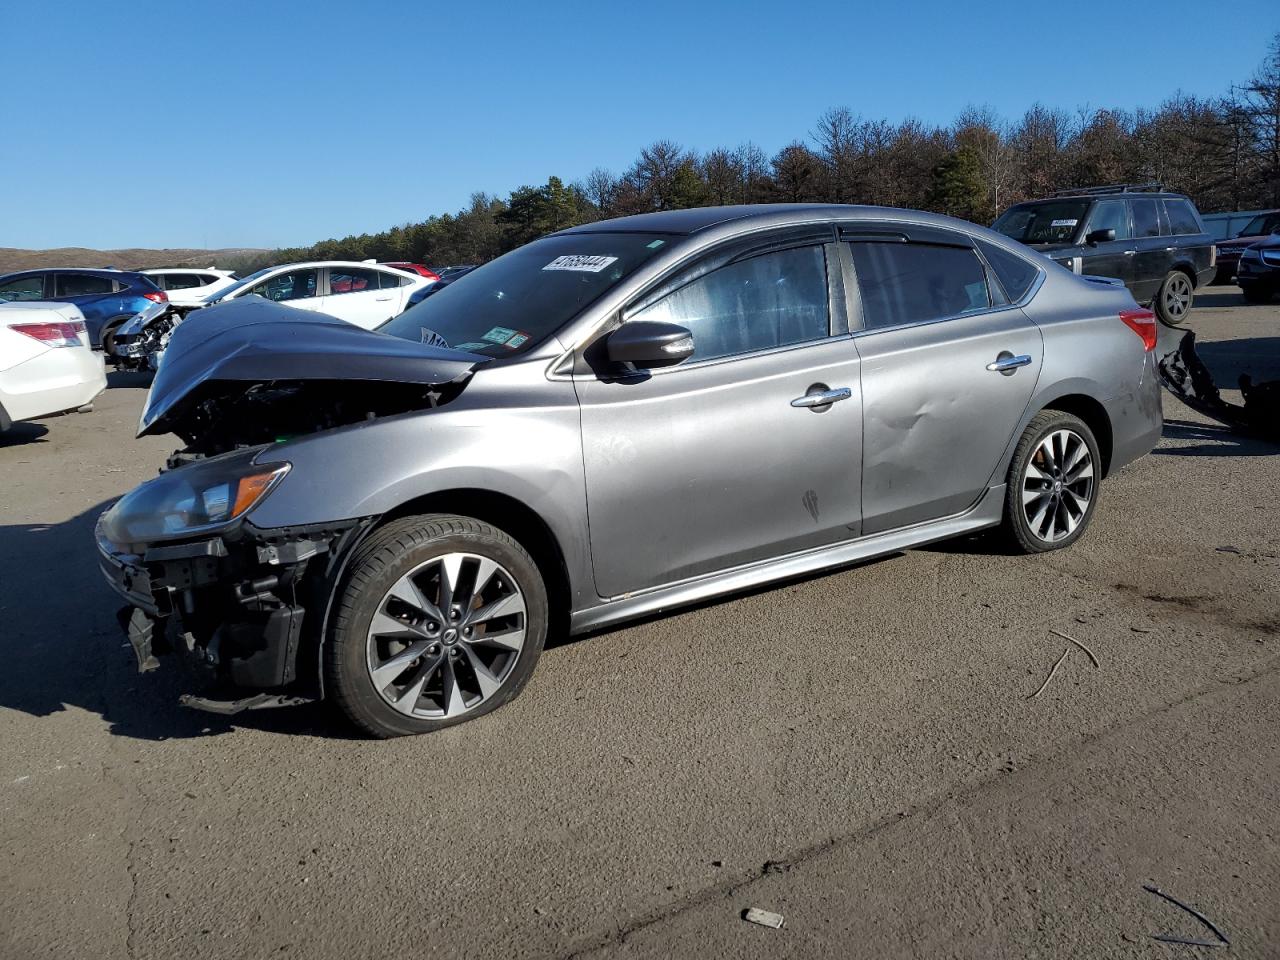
{"x":1153,"y":250}
{"x":1109,"y":258}
{"x":946,"y":377}
{"x":710,"y":464}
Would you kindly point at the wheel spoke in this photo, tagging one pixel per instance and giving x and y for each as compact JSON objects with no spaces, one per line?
{"x":406,"y":701}
{"x":1038,"y":523}
{"x":489,"y":684}
{"x":452,"y":698}
{"x":1083,"y":471}
{"x":511,"y":603}
{"x":387,"y":626}
{"x":388,"y":670}
{"x":450,"y":569}
{"x":406,"y":591}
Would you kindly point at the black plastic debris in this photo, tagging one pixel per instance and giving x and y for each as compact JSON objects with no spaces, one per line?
{"x":1184,"y":375}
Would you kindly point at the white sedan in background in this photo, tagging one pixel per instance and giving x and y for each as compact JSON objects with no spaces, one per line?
{"x":46,"y":365}
{"x":366,"y":294}
{"x":190,"y":286}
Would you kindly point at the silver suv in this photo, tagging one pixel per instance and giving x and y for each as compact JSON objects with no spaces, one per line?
{"x":606,"y":423}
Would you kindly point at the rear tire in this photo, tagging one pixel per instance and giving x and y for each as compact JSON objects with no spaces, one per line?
{"x":1173,"y":301}
{"x":1052,"y":485}
{"x":109,"y":334}
{"x":439,"y":620}
{"x":1256,"y":295}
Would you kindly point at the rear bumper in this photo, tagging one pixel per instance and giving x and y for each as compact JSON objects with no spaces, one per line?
{"x":62,"y":378}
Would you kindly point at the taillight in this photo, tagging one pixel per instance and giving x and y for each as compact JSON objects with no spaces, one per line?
{"x":1143,"y":323}
{"x":158,"y":296}
{"x":52,"y":334}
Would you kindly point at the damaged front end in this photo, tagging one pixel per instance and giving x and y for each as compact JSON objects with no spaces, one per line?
{"x":243,"y":605}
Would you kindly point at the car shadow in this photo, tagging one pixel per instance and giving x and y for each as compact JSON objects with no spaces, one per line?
{"x":63,"y":648}
{"x":1222,"y":298}
{"x":1259,"y":357}
{"x":1211,"y":440}
{"x":129,"y":378}
{"x":22,"y":433}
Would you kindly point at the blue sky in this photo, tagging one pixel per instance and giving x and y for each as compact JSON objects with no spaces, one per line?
{"x":273,"y":124}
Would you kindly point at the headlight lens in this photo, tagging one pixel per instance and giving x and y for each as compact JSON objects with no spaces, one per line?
{"x":200,"y":497}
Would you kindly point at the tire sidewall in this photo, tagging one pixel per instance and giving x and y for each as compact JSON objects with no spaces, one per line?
{"x":1042,"y":425}
{"x":372,"y":573}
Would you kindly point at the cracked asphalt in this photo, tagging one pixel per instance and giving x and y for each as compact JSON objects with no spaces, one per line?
{"x":856,"y":751}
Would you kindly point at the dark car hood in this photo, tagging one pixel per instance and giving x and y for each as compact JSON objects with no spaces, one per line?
{"x":1236,"y":244}
{"x":252,"y":340}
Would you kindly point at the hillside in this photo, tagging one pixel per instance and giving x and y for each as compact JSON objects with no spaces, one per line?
{"x":13,"y":258}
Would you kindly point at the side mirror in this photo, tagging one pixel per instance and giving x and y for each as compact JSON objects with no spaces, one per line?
{"x":1095,"y":237}
{"x":649,"y":343}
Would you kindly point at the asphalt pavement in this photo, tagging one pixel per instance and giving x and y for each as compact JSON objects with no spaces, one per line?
{"x":858,"y":751}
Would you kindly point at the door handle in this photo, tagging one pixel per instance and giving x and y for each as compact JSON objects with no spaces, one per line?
{"x":1007,"y":363}
{"x":382,"y":299}
{"x":823,"y":398}
{"x":1130,"y":253}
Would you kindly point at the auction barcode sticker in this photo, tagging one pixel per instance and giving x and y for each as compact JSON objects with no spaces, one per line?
{"x":580,"y":263}
{"x":1064,"y":223}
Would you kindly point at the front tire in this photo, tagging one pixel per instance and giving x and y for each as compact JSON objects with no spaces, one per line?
{"x":439,"y":619}
{"x":1173,"y":301}
{"x":1052,"y":486}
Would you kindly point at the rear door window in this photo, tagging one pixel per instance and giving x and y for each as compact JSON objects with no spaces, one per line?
{"x":1146,"y":216}
{"x":352,"y":280}
{"x":1182,"y":217}
{"x":772,"y":300}
{"x":907,"y":283}
{"x":81,"y":285}
{"x":181,"y":281}
{"x":389,"y":281}
{"x":1015,"y":274}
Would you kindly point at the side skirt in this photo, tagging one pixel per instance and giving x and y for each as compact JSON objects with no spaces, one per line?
{"x":986,"y":513}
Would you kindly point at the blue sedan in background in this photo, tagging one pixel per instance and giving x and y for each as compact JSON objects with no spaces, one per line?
{"x":107,"y":298}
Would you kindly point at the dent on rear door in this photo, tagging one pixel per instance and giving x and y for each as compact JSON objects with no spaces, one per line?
{"x":936,"y":420}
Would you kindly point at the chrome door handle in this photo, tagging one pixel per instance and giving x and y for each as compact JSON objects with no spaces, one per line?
{"x":1130,"y":253}
{"x":1007,"y":364}
{"x":382,"y":299}
{"x":824,"y":398}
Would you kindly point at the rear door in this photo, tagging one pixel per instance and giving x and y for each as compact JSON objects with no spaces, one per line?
{"x":938,"y":413}
{"x":1153,"y":257}
{"x":1113,"y":258}
{"x":362,"y":296}
{"x":709,"y":465}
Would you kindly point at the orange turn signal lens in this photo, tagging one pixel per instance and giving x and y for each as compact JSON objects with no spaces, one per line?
{"x":254,"y":487}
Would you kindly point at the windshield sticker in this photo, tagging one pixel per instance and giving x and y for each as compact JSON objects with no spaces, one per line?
{"x":473,"y":345}
{"x":580,"y":263}
{"x":517,"y":341}
{"x":433,"y":339}
{"x":1064,"y":223}
{"x":499,"y":335}
{"x":655,"y":245}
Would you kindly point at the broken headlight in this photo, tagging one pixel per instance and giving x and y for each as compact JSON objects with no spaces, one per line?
{"x":200,"y":497}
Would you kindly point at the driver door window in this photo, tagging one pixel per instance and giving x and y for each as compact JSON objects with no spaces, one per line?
{"x":772,"y":300}
{"x":1111,"y":215}
{"x":294,"y":285}
{"x":23,"y":288}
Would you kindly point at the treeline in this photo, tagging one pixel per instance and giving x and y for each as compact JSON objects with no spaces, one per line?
{"x":1224,"y":153}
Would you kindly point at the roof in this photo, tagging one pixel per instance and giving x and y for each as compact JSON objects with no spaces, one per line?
{"x":695,"y":219}
{"x":1085,"y":194}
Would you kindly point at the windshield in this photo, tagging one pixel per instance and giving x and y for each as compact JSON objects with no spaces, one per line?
{"x":513,"y":303}
{"x":1261,"y":225}
{"x":1054,"y":221}
{"x":239,"y":285}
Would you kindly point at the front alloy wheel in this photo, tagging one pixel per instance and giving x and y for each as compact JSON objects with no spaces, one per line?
{"x":439,"y":619}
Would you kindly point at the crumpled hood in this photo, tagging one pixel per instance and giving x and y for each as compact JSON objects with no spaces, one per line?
{"x":252,"y":340}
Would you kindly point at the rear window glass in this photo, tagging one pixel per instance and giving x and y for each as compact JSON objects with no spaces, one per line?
{"x":905,"y":283}
{"x":1182,"y":217}
{"x":1015,"y":274}
{"x":390,"y":280}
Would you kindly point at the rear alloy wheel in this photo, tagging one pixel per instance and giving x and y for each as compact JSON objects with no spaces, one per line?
{"x":1173,"y":302}
{"x":441,"y":620}
{"x":1052,"y":484}
{"x":109,"y":333}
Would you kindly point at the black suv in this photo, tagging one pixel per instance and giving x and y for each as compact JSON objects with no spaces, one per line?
{"x":1152,"y":240}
